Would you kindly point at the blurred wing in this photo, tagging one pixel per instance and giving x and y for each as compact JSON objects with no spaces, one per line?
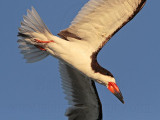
{"x":81,"y":94}
{"x":99,"y":20}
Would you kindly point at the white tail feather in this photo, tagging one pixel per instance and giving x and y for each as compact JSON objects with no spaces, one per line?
{"x":32,"y":27}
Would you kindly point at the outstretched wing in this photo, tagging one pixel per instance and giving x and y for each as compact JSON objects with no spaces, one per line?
{"x":99,"y":20}
{"x":81,"y":94}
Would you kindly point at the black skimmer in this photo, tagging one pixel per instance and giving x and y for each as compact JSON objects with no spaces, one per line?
{"x":77,"y":49}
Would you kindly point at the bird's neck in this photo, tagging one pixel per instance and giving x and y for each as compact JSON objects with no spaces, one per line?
{"x":97,"y":68}
{"x":100,"y":74}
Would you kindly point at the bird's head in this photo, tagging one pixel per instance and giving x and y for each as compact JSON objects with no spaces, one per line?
{"x":109,"y":81}
{"x":105,"y":77}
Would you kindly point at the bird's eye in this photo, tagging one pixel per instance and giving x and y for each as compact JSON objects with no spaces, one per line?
{"x":109,"y":74}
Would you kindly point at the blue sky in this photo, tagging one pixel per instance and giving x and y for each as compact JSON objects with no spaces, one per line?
{"x":33,"y":91}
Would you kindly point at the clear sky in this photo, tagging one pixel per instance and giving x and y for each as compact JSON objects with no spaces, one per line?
{"x":33,"y":91}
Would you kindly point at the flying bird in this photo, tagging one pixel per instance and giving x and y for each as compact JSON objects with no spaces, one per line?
{"x":77,"y":48}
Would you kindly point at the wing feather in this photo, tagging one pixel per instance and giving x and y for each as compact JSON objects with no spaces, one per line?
{"x":81,"y":95}
{"x":99,"y":20}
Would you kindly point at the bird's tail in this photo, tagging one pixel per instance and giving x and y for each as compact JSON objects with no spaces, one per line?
{"x":32,"y":27}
